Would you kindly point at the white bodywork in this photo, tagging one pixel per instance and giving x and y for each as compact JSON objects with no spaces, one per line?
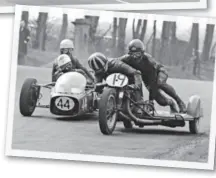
{"x":70,"y":83}
{"x":194,"y":107}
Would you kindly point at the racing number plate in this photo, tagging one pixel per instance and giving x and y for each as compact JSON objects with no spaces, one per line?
{"x":117,"y":80}
{"x":64,"y":103}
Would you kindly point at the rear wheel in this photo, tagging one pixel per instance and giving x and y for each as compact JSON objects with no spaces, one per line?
{"x":28,"y":97}
{"x":194,"y":126}
{"x":107,"y":111}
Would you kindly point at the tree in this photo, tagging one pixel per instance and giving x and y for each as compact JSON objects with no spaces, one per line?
{"x":164,"y":42}
{"x":64,"y":29}
{"x":136,"y":31}
{"x":143,"y":31}
{"x":172,"y":43}
{"x":192,"y":51}
{"x":114,"y":33}
{"x":154,"y":39}
{"x":25,"y":16}
{"x":93,"y":22}
{"x":41,"y":31}
{"x":196,"y":67}
{"x":121,"y":35}
{"x":207,"y":42}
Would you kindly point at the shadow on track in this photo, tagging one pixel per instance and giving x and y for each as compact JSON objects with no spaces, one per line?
{"x":86,"y":117}
{"x":159,"y":132}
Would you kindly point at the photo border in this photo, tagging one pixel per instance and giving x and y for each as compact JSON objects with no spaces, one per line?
{"x":96,"y":158}
{"x":6,"y":9}
{"x":203,"y":4}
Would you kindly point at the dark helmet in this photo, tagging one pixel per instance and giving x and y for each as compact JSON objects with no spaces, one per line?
{"x":136,"y":45}
{"x":97,"y":62}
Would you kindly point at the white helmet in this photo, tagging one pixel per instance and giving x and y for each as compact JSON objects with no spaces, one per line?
{"x":66,"y":43}
{"x":63,"y":60}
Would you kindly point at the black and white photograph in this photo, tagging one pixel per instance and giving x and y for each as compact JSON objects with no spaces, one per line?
{"x":110,"y":4}
{"x":112,"y":87}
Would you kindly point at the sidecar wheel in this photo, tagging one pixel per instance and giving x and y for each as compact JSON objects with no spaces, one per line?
{"x":194,"y":126}
{"x":107,"y":111}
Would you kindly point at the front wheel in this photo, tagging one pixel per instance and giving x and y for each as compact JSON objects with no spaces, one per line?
{"x":28,"y":97}
{"x":108,"y":111}
{"x":194,"y":126}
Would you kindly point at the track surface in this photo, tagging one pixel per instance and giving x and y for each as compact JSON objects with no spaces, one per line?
{"x":65,"y":2}
{"x":46,"y":132}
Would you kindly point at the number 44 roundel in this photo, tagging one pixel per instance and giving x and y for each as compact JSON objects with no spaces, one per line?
{"x":64,"y":103}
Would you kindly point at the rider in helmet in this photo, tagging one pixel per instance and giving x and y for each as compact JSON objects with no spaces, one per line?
{"x":67,"y":47}
{"x":63,"y":65}
{"x":102,"y":67}
{"x":153,"y":74}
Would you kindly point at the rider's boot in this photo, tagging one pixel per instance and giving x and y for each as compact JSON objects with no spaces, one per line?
{"x":173,"y":107}
{"x":182,"y":107}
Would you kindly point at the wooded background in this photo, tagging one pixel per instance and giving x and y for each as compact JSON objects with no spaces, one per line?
{"x":183,"y":59}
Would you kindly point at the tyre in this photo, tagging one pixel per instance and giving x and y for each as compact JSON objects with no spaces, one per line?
{"x":194,"y":126}
{"x":107,"y":111}
{"x":127,"y":124}
{"x":28,"y":97}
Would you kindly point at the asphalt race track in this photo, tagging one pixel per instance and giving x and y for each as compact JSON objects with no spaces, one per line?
{"x":46,"y":132}
{"x":65,"y":2}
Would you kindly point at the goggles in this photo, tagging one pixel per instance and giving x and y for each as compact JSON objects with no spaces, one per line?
{"x":66,"y":50}
{"x":67,"y":67}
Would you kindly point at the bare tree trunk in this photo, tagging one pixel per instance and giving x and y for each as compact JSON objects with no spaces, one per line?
{"x":93,"y":21}
{"x":25,"y":16}
{"x":207,"y":42}
{"x":139,"y":23}
{"x":213,"y":52}
{"x":143,"y":32}
{"x":137,"y":29}
{"x":172,"y":44}
{"x":64,"y":28}
{"x":154,"y":39}
{"x":93,"y":26}
{"x":41,"y":31}
{"x":164,"y":42}
{"x":133,"y":29}
{"x":196,"y":67}
{"x":114,"y":34}
{"x":121,"y":35}
{"x":190,"y":48}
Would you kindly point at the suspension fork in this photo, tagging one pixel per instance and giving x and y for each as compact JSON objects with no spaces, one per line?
{"x":119,"y":98}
